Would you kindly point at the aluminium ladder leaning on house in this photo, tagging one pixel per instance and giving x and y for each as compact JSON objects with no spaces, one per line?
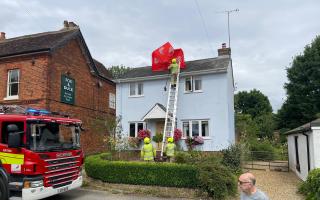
{"x":171,"y":111}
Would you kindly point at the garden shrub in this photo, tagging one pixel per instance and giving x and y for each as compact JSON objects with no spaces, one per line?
{"x":311,"y":187}
{"x":232,"y":157}
{"x":217,"y":180}
{"x":142,"y":173}
{"x":182,"y":157}
{"x":106,"y":156}
{"x":262,"y":150}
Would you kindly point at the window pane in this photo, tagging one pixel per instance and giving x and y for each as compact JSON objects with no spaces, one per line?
{"x":132,"y":130}
{"x":197,"y":84}
{"x":132,"y":89}
{"x":188,"y":85}
{"x":195,"y":128}
{"x":14,"y":76}
{"x":13,"y":89}
{"x":205,"y":128}
{"x":140,"y":88}
{"x":140,"y":126}
{"x":186,"y":131}
{"x":112,"y":100}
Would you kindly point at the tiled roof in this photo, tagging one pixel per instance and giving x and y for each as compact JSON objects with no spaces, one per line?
{"x":48,"y":41}
{"x":218,"y":64}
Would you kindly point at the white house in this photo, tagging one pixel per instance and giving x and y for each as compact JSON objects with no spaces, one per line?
{"x":205,"y":101}
{"x":304,"y":148}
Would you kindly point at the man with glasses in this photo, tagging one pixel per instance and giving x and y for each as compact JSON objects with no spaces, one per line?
{"x":248,"y":189}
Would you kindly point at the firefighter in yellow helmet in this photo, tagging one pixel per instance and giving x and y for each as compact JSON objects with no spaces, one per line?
{"x":174,"y":68}
{"x":148,"y":152}
{"x":170,"y":148}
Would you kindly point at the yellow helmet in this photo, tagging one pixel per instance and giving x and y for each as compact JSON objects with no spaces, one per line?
{"x":170,"y":139}
{"x":174,"y":60}
{"x":146,"y":140}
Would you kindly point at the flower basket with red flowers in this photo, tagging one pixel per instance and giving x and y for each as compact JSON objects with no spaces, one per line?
{"x":177,"y":135}
{"x":191,"y":142}
{"x":143,"y":134}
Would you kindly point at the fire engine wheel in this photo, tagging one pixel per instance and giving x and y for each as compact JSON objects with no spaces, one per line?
{"x":3,"y":190}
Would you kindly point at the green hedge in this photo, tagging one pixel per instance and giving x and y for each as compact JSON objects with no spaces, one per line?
{"x":142,"y":173}
{"x":311,"y":187}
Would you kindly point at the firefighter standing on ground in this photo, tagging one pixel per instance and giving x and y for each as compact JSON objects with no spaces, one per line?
{"x":170,"y":149}
{"x":174,"y":68}
{"x":148,"y":152}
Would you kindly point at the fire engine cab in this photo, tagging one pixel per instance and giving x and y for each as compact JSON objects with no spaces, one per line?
{"x":40,"y":153}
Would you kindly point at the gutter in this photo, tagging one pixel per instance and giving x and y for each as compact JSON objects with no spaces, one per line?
{"x":165,"y":76}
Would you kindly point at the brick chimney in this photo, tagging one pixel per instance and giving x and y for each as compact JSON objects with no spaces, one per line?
{"x":69,"y":25}
{"x":2,"y":36}
{"x":224,"y":51}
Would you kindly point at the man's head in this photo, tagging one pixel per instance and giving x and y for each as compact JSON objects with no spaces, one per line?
{"x":174,"y":61}
{"x":247,"y":183}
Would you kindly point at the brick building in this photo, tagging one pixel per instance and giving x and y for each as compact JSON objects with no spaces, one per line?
{"x":55,"y":71}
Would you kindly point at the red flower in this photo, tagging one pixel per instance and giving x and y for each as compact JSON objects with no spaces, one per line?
{"x":143,"y":134}
{"x":177,"y":134}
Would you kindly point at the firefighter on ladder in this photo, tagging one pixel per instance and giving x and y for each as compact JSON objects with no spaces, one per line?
{"x":174,"y":70}
{"x":148,"y":152}
{"x":170,"y":148}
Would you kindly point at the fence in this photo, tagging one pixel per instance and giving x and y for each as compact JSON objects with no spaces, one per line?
{"x":264,"y":160}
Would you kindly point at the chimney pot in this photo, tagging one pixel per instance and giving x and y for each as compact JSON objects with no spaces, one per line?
{"x":224,"y":51}
{"x":65,"y":24}
{"x":2,"y":36}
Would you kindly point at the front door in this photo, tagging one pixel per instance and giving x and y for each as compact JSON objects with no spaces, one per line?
{"x":159,"y":126}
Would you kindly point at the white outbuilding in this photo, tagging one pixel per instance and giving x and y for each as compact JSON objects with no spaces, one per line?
{"x":304,"y":148}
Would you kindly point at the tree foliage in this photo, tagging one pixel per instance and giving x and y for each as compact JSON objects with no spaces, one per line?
{"x":253,"y":103}
{"x":118,"y":71}
{"x":303,"y":89}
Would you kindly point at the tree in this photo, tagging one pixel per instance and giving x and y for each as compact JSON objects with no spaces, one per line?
{"x":253,"y":103}
{"x":117,"y":71}
{"x":303,"y":89}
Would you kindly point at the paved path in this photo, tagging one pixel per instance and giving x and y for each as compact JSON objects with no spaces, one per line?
{"x":85,"y":194}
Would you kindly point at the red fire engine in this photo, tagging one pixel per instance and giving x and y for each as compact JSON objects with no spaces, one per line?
{"x":40,"y":153}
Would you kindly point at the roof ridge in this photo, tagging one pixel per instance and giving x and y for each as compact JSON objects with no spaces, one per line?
{"x":38,"y":35}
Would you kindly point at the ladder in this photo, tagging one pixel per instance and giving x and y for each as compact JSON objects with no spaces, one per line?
{"x":170,"y":120}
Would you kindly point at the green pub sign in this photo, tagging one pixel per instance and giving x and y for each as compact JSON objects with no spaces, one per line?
{"x":67,"y":89}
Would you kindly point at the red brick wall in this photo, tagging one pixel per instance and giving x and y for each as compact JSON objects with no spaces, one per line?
{"x":40,"y":82}
{"x":91,"y":101}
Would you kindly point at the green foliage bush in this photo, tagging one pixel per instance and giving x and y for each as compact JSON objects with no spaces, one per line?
{"x":232,"y":157}
{"x":182,"y":157}
{"x":217,"y":180}
{"x":142,"y":173}
{"x":262,"y":150}
{"x":311,"y":187}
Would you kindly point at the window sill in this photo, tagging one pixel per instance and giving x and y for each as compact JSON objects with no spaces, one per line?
{"x":136,"y":96}
{"x":11,"y":97}
{"x":191,"y":92}
{"x":205,"y":138}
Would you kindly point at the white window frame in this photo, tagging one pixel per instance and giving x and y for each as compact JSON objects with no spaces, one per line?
{"x":193,"y":84}
{"x":9,"y":97}
{"x":200,"y":127}
{"x":112,"y":100}
{"x":136,"y":89}
{"x":136,"y":127}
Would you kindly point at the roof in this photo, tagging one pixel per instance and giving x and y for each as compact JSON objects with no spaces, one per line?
{"x":158,"y":111}
{"x":48,"y":42}
{"x":218,"y":64}
{"x":304,"y":128}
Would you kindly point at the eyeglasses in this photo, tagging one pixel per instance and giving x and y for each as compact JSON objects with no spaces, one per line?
{"x":243,"y":182}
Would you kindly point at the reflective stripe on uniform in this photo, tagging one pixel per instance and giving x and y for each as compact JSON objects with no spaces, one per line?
{"x":11,"y":158}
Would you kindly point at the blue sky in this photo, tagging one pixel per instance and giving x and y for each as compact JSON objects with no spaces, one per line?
{"x":265,"y":35}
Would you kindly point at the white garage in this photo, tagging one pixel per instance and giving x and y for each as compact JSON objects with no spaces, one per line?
{"x":304,"y":148}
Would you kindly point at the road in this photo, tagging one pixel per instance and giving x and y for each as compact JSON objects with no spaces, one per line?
{"x":85,"y":194}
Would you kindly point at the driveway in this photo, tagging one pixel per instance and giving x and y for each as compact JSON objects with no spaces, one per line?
{"x":85,"y":194}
